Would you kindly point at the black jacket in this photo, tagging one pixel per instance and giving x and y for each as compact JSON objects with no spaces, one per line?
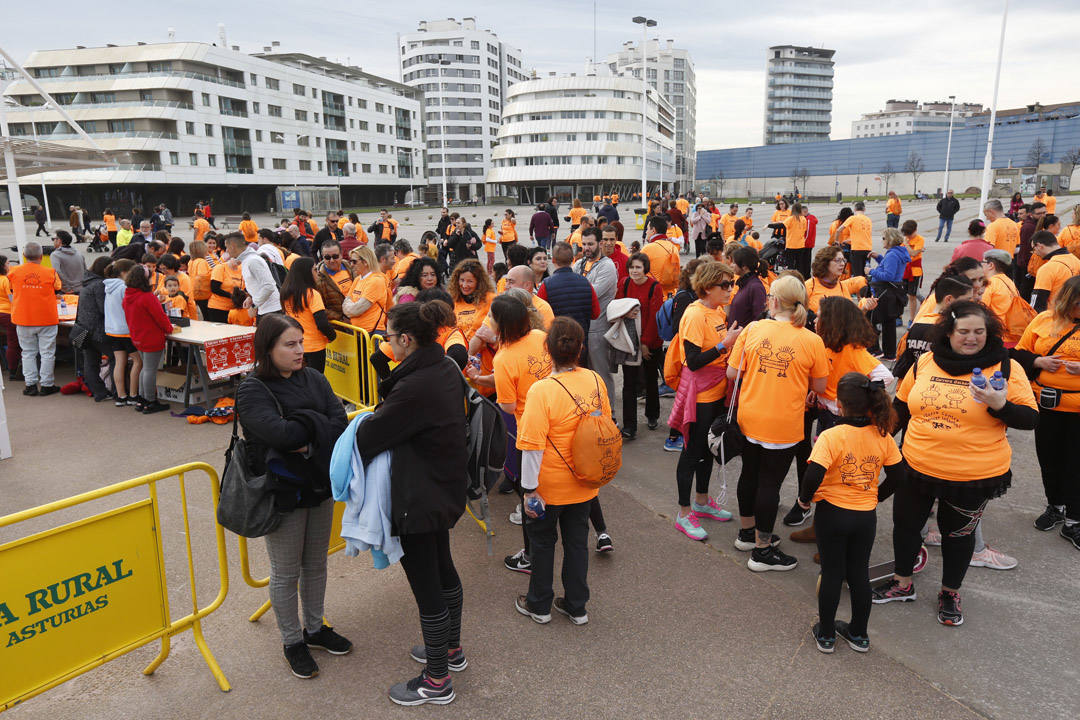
{"x":326,"y":234}
{"x":91,"y":312}
{"x":301,"y":395}
{"x":462,"y":246}
{"x":443,"y":227}
{"x":422,"y":421}
{"x":948,"y":207}
{"x":375,"y":231}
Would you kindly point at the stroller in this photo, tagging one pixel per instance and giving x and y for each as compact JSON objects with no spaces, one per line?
{"x":99,"y":239}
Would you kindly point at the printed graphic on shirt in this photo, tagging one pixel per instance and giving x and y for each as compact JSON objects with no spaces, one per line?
{"x":778,"y":360}
{"x":540,"y":367}
{"x":860,"y":473}
{"x":944,"y":397}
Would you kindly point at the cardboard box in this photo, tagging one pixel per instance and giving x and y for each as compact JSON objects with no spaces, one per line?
{"x":171,"y":389}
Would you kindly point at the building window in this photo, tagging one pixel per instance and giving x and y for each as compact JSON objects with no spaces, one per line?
{"x":365,"y":147}
{"x":379,"y":127}
{"x":378,"y":107}
{"x":271,"y":83}
{"x":262,"y":163}
{"x":277,"y":137}
{"x":474,"y":44}
{"x":366,"y":167}
{"x":255,"y":108}
{"x":211,"y":160}
{"x":117,"y":126}
{"x":258,"y":136}
{"x":304,"y":140}
{"x":273,"y":110}
{"x":189,"y":127}
{"x":300,"y":115}
{"x":592,"y":136}
{"x":206,"y":99}
{"x":209,"y":130}
{"x":305,"y":165}
{"x":320,"y":166}
{"x":279,"y":163}
{"x":174,"y":158}
{"x":354,"y":167}
{"x":299,"y":89}
{"x":314,"y":93}
{"x":382,"y":169}
{"x":193,"y":159}
{"x":361,"y":103}
{"x":318,"y":142}
{"x":382,"y":149}
{"x":363,"y":125}
{"x":613,"y":137}
{"x":254,"y":79}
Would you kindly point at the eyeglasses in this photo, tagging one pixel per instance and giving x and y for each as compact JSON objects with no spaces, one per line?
{"x":390,"y":335}
{"x":724,"y":284}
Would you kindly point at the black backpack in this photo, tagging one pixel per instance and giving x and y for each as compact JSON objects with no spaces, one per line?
{"x":278,"y":272}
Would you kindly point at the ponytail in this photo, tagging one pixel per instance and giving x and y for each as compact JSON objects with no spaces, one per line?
{"x":790,"y":293}
{"x":859,"y":396}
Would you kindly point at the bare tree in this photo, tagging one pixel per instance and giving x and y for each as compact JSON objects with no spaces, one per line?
{"x":1070,"y":160}
{"x":718,"y":184}
{"x":795,"y":177}
{"x":802,"y":179}
{"x":1038,"y":153}
{"x":887,"y":173}
{"x":916,"y":167}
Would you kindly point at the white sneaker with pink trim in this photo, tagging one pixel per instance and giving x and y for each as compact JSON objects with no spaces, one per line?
{"x":993,"y":559}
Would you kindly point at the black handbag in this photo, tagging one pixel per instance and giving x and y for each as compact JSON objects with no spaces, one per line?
{"x":1049,"y":398}
{"x":726,"y":439}
{"x":246,"y":503}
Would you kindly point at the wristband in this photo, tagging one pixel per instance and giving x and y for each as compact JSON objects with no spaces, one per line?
{"x":720,"y":347}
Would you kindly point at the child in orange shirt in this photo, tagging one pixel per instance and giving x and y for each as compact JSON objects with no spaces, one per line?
{"x":489,"y":243}
{"x":508,"y":232}
{"x":176,"y":302}
{"x":842,"y":477}
{"x":240,"y":315}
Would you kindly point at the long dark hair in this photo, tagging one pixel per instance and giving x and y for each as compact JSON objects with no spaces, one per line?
{"x":859,"y":396}
{"x":294,"y":289}
{"x":3,"y":265}
{"x":511,"y":319}
{"x":956,"y":269}
{"x":267,"y":332}
{"x":412,"y":277}
{"x":946,"y":324}
{"x":137,"y":279}
{"x":840,"y":322}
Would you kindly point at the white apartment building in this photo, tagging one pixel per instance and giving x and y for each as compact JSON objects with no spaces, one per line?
{"x":580,"y":136}
{"x":901,"y":117}
{"x":190,"y":121}
{"x":464,"y":74}
{"x":671,"y":71}
{"x":798,"y":97}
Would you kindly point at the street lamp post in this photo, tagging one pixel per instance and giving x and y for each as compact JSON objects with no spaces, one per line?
{"x":44,"y":192}
{"x":984,"y":195}
{"x":645,"y":24}
{"x":948,"y":146}
{"x":442,"y":120}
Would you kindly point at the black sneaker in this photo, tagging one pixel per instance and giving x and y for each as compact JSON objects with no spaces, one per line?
{"x":890,"y":591}
{"x":560,"y":607}
{"x":31,"y":391}
{"x":797,"y":516}
{"x":153,"y":407}
{"x":455,"y":659}
{"x":1051,"y":518}
{"x":300,"y":661}
{"x":1072,"y":534}
{"x":48,"y":390}
{"x":747,"y":539}
{"x":604,"y":544}
{"x":858,"y":643}
{"x":506,"y":486}
{"x":629,"y":434}
{"x":120,"y":401}
{"x":770,"y":558}
{"x":948,"y":608}
{"x":518,"y":562}
{"x":522,"y":605}
{"x":422,"y":690}
{"x":652,"y":423}
{"x":326,"y":639}
{"x":824,"y":644}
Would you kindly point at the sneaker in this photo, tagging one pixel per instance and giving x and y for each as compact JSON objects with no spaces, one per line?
{"x":1050,"y":518}
{"x":48,"y":390}
{"x":506,"y":486}
{"x":560,"y":606}
{"x":120,"y":401}
{"x":518,"y":562}
{"x":993,"y":559}
{"x":689,"y":526}
{"x":422,"y":690}
{"x":710,"y":511}
{"x":890,"y":591}
{"x":665,"y":391}
{"x":797,"y":516}
{"x":920,"y":560}
{"x":747,"y":540}
{"x":628,"y":435}
{"x":948,"y":608}
{"x":604,"y":544}
{"x":30,"y":391}
{"x":858,"y":643}
{"x":673,"y":444}
{"x":522,"y":605}
{"x":770,"y":558}
{"x":455,"y":659}
{"x":300,"y":661}
{"x":1072,"y":534}
{"x":652,"y":423}
{"x":515,"y":517}
{"x":326,"y":639}
{"x":153,"y":407}
{"x":824,"y":644}
{"x":933,"y":538}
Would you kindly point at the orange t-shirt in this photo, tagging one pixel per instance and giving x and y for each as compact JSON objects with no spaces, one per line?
{"x":893,"y":206}
{"x":342,"y":279}
{"x":703,"y":327}
{"x":851,"y":358}
{"x":550,"y":420}
{"x":947,"y":423}
{"x":684,"y":205}
{"x":795,"y":235}
{"x":727,"y":223}
{"x":508,"y":231}
{"x":778,"y":360}
{"x":815,"y":290}
{"x":998,"y":297}
{"x":780,"y":216}
{"x":748,"y":221}
{"x":1039,"y":337}
{"x":860,"y":232}
{"x":1069,"y":238}
{"x":852,"y":458}
{"x":229,"y":279}
{"x":178,"y":302}
{"x":5,"y":295}
{"x":1054,"y":272}
{"x":471,"y":315}
{"x":518,"y":366}
{"x":1003,"y":234}
{"x":249,"y":230}
{"x":401,"y":267}
{"x":290,"y":259}
{"x":314,"y":340}
{"x":838,"y":235}
{"x":489,"y":240}
{"x":199,"y":272}
{"x":576,"y":214}
{"x":187,"y":287}
{"x":110,"y":223}
{"x":201,"y":227}
{"x":915,"y":244}
{"x":373,"y":288}
{"x":240,"y":316}
{"x":33,"y":290}
{"x":662,"y":253}
{"x":450,"y":336}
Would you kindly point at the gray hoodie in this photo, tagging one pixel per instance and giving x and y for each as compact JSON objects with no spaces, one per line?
{"x":69,"y":265}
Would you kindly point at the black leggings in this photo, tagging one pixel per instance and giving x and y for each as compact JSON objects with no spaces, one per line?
{"x":695,"y":458}
{"x":437,"y":589}
{"x":888,"y":329}
{"x":858,"y":262}
{"x":1055,"y":445}
{"x":763,"y":472}
{"x":911,"y":508}
{"x":844,"y":540}
{"x":596,"y":516}
{"x":204,"y":306}
{"x":218,"y":316}
{"x":803,"y":449}
{"x":316,"y":360}
{"x":699,"y":245}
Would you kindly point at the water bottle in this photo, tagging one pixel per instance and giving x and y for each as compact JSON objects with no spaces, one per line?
{"x":535,"y":505}
{"x":63,"y":307}
{"x":978,"y":380}
{"x":997,"y":381}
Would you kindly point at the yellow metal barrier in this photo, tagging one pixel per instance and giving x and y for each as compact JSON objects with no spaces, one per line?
{"x":81,"y":594}
{"x":348,"y":365}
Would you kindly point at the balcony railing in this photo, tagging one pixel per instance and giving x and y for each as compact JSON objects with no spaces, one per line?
{"x":136,"y":167}
{"x":122,"y":103}
{"x":239,"y":170}
{"x":237,"y":147}
{"x":337,"y":155}
{"x":167,"y":73}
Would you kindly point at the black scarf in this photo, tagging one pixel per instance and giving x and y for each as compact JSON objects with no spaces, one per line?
{"x":956,"y":365}
{"x":854,"y":420}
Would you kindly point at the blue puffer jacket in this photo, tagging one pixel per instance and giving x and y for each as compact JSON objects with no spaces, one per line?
{"x":115,"y":320}
{"x":891,"y":267}
{"x":571,"y":295}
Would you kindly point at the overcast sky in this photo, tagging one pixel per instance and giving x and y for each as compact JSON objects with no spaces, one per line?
{"x":916,"y":49}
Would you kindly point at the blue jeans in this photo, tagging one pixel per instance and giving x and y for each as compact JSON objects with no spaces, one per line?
{"x":892,"y":220}
{"x":943,"y":223}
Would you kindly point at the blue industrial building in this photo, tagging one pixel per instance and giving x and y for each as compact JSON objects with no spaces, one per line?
{"x":1013,"y":139}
